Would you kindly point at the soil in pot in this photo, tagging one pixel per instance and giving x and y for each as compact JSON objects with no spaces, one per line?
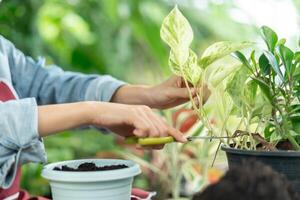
{"x":89,"y":166}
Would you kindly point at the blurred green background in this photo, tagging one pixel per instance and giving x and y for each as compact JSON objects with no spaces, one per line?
{"x":121,"y":38}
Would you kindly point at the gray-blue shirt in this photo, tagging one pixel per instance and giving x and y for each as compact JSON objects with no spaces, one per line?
{"x":36,"y":84}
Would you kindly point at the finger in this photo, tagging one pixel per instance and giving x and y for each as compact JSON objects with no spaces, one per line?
{"x":177,"y":135}
{"x":179,"y":81}
{"x":160,"y":124}
{"x":140,"y":133}
{"x":150,"y":119}
{"x":142,"y":127}
{"x":147,"y":122}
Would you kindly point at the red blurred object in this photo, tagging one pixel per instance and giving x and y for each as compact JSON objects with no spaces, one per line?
{"x":139,"y":194}
{"x":189,"y":120}
{"x":214,"y":175}
{"x":23,"y":195}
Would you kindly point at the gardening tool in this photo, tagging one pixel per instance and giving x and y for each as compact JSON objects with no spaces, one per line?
{"x":164,"y":140}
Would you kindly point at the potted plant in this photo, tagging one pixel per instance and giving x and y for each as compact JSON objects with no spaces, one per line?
{"x":105,"y":179}
{"x":254,"y":102}
{"x":273,"y":107}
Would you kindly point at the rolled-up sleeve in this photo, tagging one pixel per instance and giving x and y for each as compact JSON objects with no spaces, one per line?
{"x":102,"y":88}
{"x":20,"y":142}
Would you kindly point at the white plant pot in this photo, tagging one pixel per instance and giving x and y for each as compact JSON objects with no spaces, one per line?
{"x":93,"y":185}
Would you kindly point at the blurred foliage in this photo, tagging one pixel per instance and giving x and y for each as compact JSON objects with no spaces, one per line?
{"x":117,"y":37}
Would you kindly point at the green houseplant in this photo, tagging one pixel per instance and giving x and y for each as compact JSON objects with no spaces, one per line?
{"x":254,"y":101}
{"x":272,"y":80}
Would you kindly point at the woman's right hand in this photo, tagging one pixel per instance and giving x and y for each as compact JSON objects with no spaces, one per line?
{"x":129,"y":120}
{"x":125,"y":120}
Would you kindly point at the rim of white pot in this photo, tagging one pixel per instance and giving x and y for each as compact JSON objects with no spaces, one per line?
{"x":91,"y":176}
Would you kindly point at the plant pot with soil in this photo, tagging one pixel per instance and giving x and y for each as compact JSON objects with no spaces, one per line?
{"x":105,"y":179}
{"x":254,"y":101}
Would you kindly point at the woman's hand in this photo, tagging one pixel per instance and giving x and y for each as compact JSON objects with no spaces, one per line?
{"x":125,"y":120}
{"x":128,"y":120}
{"x":170,"y":93}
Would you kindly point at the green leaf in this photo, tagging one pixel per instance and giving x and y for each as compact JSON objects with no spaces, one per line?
{"x":236,"y":86}
{"x":175,"y":68}
{"x":219,"y":50}
{"x":286,"y":56}
{"x":270,"y":37}
{"x":297,"y":57}
{"x":296,"y":123}
{"x":268,"y":131}
{"x":273,"y":62}
{"x":243,"y":60}
{"x":294,"y":109}
{"x":178,"y":34}
{"x":296,"y":77}
{"x":264,"y":65}
{"x":282,"y":41}
{"x":190,"y":70}
{"x":250,"y":92}
{"x":265,"y":88}
{"x":218,"y":72}
{"x":252,"y":58}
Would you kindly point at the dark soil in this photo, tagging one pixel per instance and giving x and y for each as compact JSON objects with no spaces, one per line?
{"x":89,"y":167}
{"x":284,"y":145}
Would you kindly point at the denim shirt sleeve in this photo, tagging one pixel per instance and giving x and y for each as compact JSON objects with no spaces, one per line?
{"x":50,"y":84}
{"x":19,"y":142}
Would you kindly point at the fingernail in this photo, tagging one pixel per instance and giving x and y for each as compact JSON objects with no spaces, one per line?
{"x":184,"y":139}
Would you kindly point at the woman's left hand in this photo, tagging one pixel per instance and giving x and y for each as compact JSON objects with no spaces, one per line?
{"x":169,"y":93}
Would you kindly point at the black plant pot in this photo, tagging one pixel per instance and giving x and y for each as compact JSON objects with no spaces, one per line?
{"x":285,"y":162}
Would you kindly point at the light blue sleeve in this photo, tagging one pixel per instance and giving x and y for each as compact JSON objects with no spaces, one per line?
{"x":50,"y":84}
{"x":19,"y":140}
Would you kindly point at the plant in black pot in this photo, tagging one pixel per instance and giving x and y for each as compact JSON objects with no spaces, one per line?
{"x":254,"y":100}
{"x":272,"y":95}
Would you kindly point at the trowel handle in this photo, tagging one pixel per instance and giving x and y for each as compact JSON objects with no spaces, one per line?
{"x":149,"y":140}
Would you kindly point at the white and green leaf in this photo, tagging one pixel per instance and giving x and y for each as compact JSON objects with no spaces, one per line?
{"x":190,"y":70}
{"x":178,"y":34}
{"x":220,"y":70}
{"x":219,"y":50}
{"x":236,"y":85}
